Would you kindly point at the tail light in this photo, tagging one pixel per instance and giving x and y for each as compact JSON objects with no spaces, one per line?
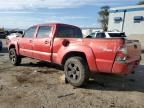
{"x":122,"y":55}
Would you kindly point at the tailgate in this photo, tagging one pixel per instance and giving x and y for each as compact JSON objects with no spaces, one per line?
{"x":133,"y":50}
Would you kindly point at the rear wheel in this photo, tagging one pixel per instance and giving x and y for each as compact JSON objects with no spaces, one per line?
{"x":76,"y":71}
{"x":14,"y":58}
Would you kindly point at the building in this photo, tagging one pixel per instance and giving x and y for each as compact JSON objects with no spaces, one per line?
{"x":128,"y":19}
{"x":88,"y":30}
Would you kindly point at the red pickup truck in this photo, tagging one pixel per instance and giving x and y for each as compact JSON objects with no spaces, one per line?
{"x":64,"y":45}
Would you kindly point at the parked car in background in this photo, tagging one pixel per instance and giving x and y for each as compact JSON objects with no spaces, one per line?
{"x":107,"y":35}
{"x":12,"y":35}
{"x":64,"y":44}
{"x":1,"y":45}
{"x":2,"y":34}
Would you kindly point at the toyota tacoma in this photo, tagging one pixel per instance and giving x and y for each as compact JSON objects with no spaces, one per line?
{"x":64,"y":44}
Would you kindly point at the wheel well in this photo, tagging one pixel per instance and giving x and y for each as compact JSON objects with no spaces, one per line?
{"x":11,"y":46}
{"x":73,"y":54}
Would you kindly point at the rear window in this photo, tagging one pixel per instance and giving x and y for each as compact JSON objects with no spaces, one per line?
{"x":69,"y":32}
{"x":117,"y":34}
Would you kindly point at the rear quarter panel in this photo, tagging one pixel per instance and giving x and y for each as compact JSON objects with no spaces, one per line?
{"x":59,"y":51}
{"x":100,"y":53}
{"x":105,"y":52}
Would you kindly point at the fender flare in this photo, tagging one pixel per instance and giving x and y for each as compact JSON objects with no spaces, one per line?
{"x":87,"y":51}
{"x":15,"y":44}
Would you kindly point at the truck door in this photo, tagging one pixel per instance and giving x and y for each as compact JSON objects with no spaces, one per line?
{"x":42,"y":43}
{"x":26,"y":42}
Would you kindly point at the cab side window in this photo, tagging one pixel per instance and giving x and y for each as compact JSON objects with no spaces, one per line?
{"x":30,"y":32}
{"x":69,"y":32}
{"x":44,"y":31}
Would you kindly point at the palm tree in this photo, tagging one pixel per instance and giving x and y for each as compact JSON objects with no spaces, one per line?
{"x":141,"y":2}
{"x":104,"y":16}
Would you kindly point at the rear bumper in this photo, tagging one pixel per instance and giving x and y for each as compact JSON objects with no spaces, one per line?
{"x":125,"y":68}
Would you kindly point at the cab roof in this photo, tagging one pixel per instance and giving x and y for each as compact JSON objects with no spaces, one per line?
{"x":47,"y":24}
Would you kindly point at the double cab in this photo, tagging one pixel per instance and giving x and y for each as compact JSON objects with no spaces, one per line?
{"x":64,"y":44}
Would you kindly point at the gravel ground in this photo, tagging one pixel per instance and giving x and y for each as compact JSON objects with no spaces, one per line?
{"x":37,"y":84}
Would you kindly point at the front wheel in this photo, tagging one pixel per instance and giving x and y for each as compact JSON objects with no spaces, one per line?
{"x":76,"y":71}
{"x":14,"y":58}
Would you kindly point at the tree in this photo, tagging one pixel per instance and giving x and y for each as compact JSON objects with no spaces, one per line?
{"x":104,"y":17}
{"x":141,"y":2}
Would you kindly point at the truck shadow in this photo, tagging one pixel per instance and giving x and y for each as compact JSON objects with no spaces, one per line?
{"x":133,"y":82}
{"x":42,"y":64}
{"x":105,"y":82}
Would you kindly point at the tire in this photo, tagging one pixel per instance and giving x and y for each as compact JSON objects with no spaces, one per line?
{"x":76,"y":71}
{"x":14,"y":58}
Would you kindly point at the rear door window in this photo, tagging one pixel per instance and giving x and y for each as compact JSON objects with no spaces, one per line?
{"x":44,"y":31}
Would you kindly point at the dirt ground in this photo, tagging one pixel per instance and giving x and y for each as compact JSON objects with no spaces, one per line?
{"x":37,"y":84}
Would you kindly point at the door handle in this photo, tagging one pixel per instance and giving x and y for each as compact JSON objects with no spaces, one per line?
{"x":46,"y":42}
{"x":30,"y":41}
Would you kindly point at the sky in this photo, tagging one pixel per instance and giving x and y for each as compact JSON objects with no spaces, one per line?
{"x":25,"y":13}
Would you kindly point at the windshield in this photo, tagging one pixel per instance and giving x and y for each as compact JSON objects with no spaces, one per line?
{"x":117,"y":34}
